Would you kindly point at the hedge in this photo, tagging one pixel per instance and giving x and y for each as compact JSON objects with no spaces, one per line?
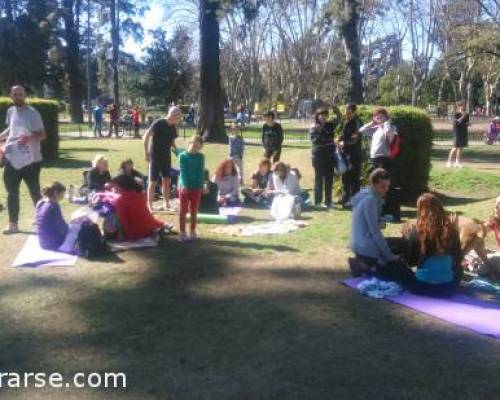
{"x":412,"y":167}
{"x":49,"y":110}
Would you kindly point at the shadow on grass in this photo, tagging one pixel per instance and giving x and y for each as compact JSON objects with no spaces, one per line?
{"x":195,"y":326}
{"x":67,"y":163}
{"x":471,"y":155}
{"x":448,"y":200}
{"x":248,"y":245}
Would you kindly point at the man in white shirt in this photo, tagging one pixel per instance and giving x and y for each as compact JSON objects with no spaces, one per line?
{"x":24,"y":134}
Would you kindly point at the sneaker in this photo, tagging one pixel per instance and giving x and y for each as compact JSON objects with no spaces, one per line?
{"x":11,"y":229}
{"x":182,"y":237}
{"x":458,"y":165}
{"x":357,"y":267}
{"x":448,"y":164}
{"x":192,"y":237}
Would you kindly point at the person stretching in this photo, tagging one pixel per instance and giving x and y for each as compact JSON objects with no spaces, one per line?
{"x":191,"y":183}
{"x":159,"y":140}
{"x":51,"y":226}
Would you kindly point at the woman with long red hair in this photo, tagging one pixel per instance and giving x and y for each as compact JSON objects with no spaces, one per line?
{"x":228,"y":179}
{"x":435,"y":249}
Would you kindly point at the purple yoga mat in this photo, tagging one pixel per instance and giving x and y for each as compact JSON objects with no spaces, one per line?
{"x":230,"y":211}
{"x":480,"y":316}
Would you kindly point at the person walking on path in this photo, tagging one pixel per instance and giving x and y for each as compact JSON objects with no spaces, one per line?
{"x":114,"y":119}
{"x":98,"y":114}
{"x":136,"y":121}
{"x":461,"y":122}
{"x":159,"y":140}
{"x":24,"y":133}
{"x":322,"y":136}
{"x":350,"y":144}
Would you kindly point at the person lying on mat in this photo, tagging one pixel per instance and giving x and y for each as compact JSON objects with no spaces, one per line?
{"x":285,"y":180}
{"x":51,"y":226}
{"x":435,"y":243}
{"x":258,"y":195}
{"x":134,"y":217}
{"x":99,"y":175}
{"x":367,"y":242}
{"x":228,"y":180}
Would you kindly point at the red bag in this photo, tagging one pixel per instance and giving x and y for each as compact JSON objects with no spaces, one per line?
{"x":395,"y":146}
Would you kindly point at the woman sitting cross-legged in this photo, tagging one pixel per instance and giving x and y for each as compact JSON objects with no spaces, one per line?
{"x":99,"y":175}
{"x":228,"y":181}
{"x":285,"y":180}
{"x":135,"y":220}
{"x":258,"y":195}
{"x":434,"y":248}
{"x":51,"y":226}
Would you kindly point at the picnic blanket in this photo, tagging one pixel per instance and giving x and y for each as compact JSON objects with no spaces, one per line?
{"x":32,"y":255}
{"x":480,"y":316}
{"x":234,"y":211}
{"x":268,"y":228}
{"x":138,"y":244}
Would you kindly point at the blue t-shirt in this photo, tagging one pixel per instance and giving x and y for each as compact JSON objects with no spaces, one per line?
{"x":98,"y":114}
{"x":436,"y":269}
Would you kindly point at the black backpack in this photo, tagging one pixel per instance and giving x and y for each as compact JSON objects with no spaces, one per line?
{"x":91,"y":242}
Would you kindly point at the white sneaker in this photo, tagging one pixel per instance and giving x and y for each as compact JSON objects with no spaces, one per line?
{"x":458,"y":165}
{"x":192,"y":237}
{"x":182,"y":238}
{"x":448,"y":164}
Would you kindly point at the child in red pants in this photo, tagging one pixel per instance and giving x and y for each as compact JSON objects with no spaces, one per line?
{"x":191,"y":183}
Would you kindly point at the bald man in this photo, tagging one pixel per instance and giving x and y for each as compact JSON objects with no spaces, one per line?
{"x":24,"y":134}
{"x":159,"y":140}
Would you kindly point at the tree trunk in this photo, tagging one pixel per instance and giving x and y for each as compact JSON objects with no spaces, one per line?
{"x":115,"y":41}
{"x":72,"y":38}
{"x":211,"y":114}
{"x":350,"y":38}
{"x":9,"y":12}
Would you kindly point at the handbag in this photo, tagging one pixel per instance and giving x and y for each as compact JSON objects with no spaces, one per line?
{"x":341,"y":166}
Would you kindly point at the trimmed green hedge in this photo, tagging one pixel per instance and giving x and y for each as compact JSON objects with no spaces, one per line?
{"x":49,"y":110}
{"x":412,"y":167}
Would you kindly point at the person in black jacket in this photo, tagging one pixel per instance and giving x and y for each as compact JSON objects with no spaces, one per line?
{"x":99,"y":175}
{"x":272,"y":137}
{"x":350,"y":143}
{"x":323,"y":155}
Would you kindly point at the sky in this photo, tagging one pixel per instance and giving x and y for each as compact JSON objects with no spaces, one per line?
{"x":158,"y":15}
{"x":153,"y":18}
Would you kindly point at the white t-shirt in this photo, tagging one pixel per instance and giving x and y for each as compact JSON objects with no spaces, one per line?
{"x":288,"y":186}
{"x":23,"y":121}
{"x":382,"y":136}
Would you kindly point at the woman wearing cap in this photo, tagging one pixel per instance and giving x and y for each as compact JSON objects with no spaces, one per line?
{"x":323,"y":155}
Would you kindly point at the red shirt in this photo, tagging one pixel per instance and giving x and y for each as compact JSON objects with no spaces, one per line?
{"x":136,"y":117}
{"x":136,"y":221}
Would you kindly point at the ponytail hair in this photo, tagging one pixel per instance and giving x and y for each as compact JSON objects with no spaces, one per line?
{"x":53,"y":190}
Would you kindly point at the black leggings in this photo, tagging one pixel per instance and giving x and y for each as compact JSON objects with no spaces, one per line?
{"x":351,"y":179}
{"x":12,"y":178}
{"x":323,"y":180}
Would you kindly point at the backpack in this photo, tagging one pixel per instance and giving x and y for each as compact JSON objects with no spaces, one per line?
{"x":395,"y":146}
{"x":90,"y":241}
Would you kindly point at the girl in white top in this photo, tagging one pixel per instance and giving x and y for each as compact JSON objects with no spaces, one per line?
{"x":382,"y":133}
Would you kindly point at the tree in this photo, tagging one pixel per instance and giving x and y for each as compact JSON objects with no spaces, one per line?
{"x":350,"y":38}
{"x":71,"y":15}
{"x":211,"y":110}
{"x":115,"y":44}
{"x":167,"y":71}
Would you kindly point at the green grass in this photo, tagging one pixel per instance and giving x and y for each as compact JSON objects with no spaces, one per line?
{"x":235,"y":318}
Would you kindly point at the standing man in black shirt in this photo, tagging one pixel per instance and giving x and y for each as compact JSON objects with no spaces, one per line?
{"x":159,"y":140}
{"x":461,"y":122}
{"x":272,"y":137}
{"x":350,"y":143}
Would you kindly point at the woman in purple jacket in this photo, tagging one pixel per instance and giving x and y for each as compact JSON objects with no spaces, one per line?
{"x":51,"y":227}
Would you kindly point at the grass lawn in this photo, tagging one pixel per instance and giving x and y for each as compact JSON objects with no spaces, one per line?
{"x":238,"y":318}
